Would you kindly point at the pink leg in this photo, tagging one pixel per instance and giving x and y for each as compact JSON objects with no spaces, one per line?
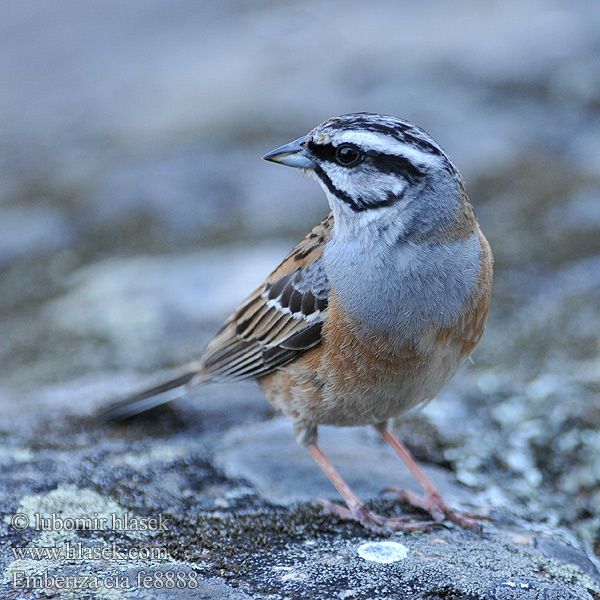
{"x":432,"y":501}
{"x":356,"y":510}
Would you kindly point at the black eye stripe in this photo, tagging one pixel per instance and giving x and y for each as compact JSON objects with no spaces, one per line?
{"x":392,"y":163}
{"x":322,"y":151}
{"x":386,"y":163}
{"x":330,"y":153}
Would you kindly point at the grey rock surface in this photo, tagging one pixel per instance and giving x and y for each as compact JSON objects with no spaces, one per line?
{"x":135,"y":214}
{"x":210,"y":533}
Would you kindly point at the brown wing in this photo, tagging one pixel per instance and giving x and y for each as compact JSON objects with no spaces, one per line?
{"x":281,"y":319}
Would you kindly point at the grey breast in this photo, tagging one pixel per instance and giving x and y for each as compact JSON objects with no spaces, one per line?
{"x":404,"y":288}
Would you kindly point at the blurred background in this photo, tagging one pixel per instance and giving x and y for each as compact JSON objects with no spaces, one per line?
{"x":135,"y":212}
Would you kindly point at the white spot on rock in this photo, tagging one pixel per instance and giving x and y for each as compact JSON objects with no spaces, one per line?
{"x":383,"y":552}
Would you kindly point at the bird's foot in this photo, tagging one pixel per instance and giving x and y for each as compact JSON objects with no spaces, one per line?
{"x":435,"y":505}
{"x":384,"y":526}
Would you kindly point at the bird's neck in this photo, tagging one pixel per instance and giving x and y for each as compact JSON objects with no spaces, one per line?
{"x":434,"y":212}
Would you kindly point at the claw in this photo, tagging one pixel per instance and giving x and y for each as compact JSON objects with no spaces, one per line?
{"x":434,"y":504}
{"x":384,"y":526}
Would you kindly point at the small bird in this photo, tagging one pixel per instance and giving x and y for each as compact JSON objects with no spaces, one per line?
{"x":372,"y":313}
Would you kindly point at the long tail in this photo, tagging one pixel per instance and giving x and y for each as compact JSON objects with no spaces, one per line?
{"x":155,"y":396}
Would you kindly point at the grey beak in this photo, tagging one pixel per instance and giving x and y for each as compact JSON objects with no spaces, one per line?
{"x":294,"y":154}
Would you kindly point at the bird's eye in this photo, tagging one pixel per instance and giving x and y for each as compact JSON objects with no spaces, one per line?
{"x":348,"y":155}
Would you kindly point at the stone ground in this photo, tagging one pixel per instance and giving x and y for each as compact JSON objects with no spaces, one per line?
{"x":135,"y":213}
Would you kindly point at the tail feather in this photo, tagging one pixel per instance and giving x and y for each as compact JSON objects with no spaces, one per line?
{"x":150,"y":398}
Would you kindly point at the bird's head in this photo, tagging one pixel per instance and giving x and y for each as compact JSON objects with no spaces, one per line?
{"x":376,"y":167}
